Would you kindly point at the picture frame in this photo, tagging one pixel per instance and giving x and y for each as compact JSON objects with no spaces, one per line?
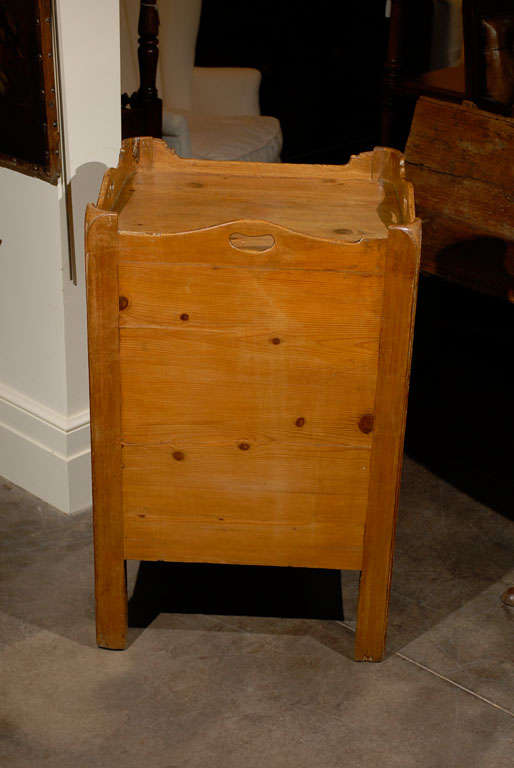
{"x":29,"y":126}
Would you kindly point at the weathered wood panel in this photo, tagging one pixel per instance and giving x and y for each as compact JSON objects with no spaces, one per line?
{"x":460,"y":160}
{"x":462,"y":141}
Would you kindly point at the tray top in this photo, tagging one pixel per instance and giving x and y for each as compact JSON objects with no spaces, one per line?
{"x":156,"y":192}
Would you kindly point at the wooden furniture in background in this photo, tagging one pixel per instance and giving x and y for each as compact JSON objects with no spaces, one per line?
{"x":489,"y":54}
{"x":141,"y":112}
{"x":460,"y":160}
{"x":485,"y":75}
{"x":250,"y":331}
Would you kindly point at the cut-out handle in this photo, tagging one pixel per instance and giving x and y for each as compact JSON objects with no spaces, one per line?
{"x":255,"y":243}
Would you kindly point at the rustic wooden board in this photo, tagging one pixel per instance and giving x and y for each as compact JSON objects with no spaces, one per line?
{"x":460,"y":161}
{"x":222,"y":416}
{"x":169,"y":195}
{"x":193,"y":387}
{"x":468,"y":255}
{"x":245,"y":542}
{"x":212,"y":247}
{"x":251,"y":300}
{"x":219,"y":332}
{"x":192,"y":201}
{"x":286,"y":504}
{"x":463,"y":142}
{"x":469,"y":200}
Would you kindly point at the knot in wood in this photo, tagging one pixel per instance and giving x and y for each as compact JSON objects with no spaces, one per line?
{"x":366,"y":423}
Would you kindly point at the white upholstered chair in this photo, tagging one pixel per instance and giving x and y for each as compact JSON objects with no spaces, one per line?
{"x":208,"y":112}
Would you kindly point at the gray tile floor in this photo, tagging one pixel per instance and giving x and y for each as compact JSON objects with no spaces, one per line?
{"x":235,"y":691}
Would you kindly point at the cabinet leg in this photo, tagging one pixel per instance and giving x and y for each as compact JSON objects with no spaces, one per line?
{"x":372,"y":616}
{"x":111,"y":604}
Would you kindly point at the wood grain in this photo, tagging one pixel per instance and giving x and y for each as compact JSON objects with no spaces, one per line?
{"x":237,"y":298}
{"x":169,"y":195}
{"x":190,"y":335}
{"x":212,"y":247}
{"x":460,"y":160}
{"x":105,"y":400}
{"x":469,"y":200}
{"x":190,"y":387}
{"x":462,"y":141}
{"x":245,"y":542}
{"x":187,"y":204}
{"x":254,"y":396}
{"x":284,"y":504}
{"x":387,"y":450}
{"x":223,"y":368}
{"x":241,"y":336}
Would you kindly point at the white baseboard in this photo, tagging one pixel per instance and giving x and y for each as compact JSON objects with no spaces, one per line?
{"x":45,"y":452}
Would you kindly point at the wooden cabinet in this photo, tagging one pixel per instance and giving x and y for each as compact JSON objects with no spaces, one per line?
{"x":250,"y":328}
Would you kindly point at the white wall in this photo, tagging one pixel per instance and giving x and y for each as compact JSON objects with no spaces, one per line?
{"x":44,"y":416}
{"x":31,"y":313}
{"x":90,"y":51}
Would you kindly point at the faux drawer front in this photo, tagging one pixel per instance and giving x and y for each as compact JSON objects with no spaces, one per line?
{"x":247,"y":412}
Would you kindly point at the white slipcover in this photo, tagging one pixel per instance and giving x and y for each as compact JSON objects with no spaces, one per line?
{"x":210,"y":137}
{"x":211,"y":113}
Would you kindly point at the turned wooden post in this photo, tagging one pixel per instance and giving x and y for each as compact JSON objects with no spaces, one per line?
{"x":392,"y":70}
{"x":142,"y":112}
{"x":148,"y":49}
